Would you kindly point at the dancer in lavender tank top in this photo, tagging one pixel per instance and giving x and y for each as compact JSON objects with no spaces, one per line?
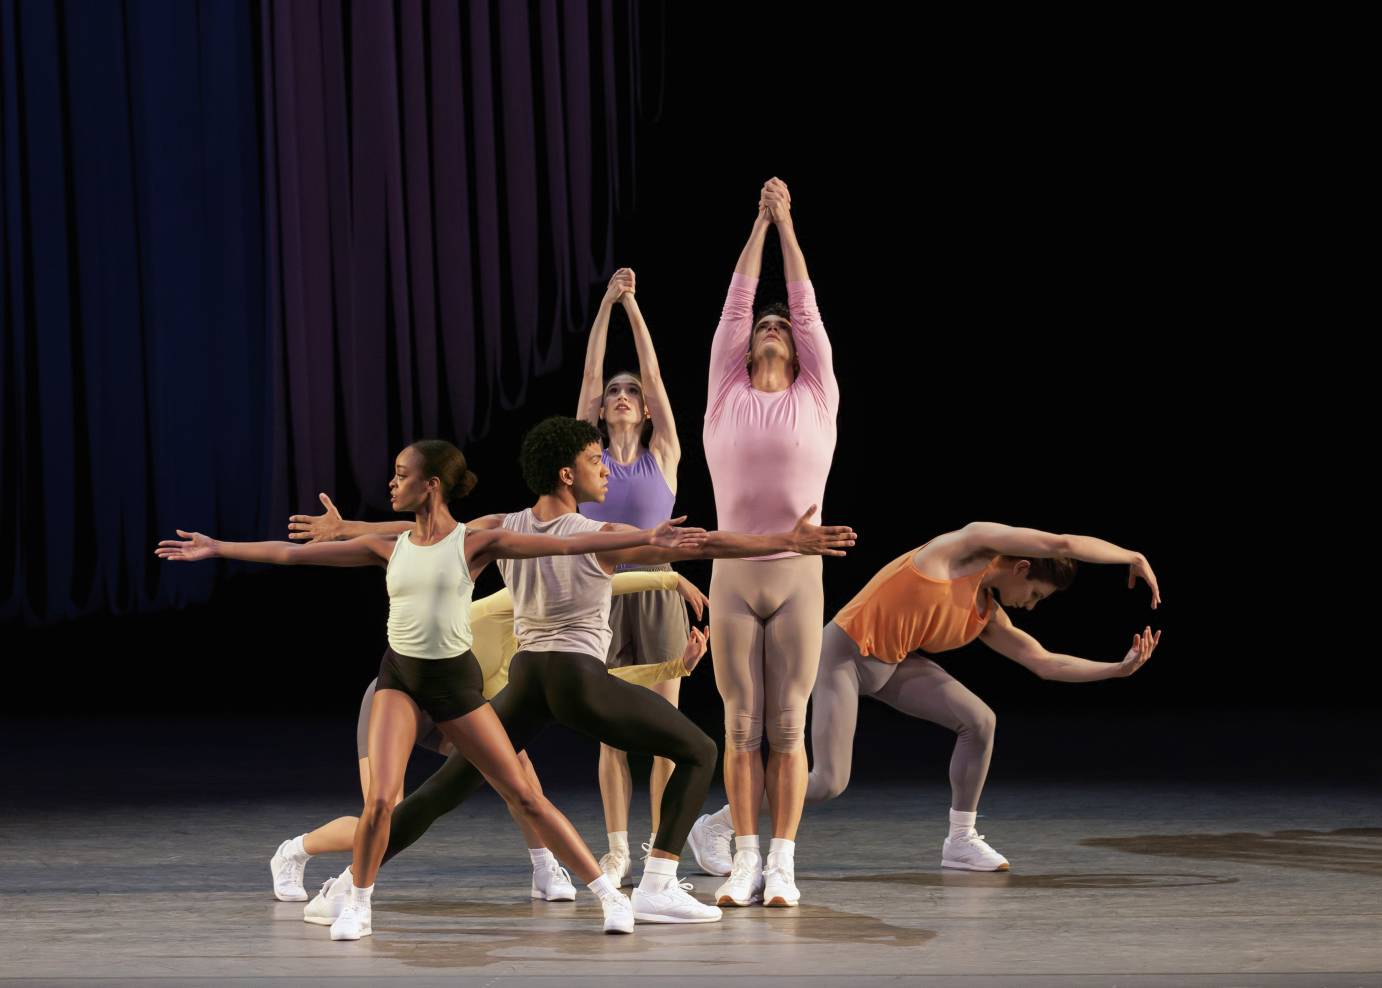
{"x":641,"y":453}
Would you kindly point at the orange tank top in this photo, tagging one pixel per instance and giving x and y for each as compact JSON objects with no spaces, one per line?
{"x":902,"y":610}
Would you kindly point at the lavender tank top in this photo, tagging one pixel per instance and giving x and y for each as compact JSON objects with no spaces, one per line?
{"x":638,"y":494}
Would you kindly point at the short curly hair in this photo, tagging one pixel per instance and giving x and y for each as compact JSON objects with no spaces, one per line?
{"x":550,"y":445}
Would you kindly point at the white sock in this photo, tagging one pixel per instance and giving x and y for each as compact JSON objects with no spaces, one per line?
{"x":602,"y":886}
{"x":780,"y":846}
{"x":360,"y":896}
{"x":658,"y":873}
{"x":747,"y":842}
{"x":296,"y":849}
{"x":724,"y":818}
{"x":962,"y":822}
{"x":619,"y":842}
{"x":539,"y":855}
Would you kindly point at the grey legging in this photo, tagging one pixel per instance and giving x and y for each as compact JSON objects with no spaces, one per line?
{"x":917,"y":687}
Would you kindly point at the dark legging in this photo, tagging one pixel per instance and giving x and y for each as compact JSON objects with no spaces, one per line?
{"x":576,"y":690}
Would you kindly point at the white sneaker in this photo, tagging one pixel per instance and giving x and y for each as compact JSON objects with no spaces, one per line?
{"x":287,"y":871}
{"x":616,"y":866}
{"x":552,"y":882}
{"x":328,"y":903}
{"x":712,"y":844}
{"x":353,"y":923}
{"x":618,"y":912}
{"x":671,"y":904}
{"x":745,"y":884}
{"x":780,"y":882}
{"x":970,"y":853}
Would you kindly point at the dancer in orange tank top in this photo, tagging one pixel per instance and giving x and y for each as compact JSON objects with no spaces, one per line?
{"x":945,"y":594}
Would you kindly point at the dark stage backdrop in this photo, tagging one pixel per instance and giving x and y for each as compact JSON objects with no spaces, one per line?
{"x":251,"y":249}
{"x":1018,"y":256}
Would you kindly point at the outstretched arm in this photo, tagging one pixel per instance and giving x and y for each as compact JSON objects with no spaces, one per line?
{"x":979,"y":537}
{"x":1010,"y":641}
{"x":500,"y":543}
{"x":371,"y":550}
{"x":804,"y":538}
{"x":330,"y":526}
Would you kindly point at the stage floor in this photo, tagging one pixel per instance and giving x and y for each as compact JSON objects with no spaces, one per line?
{"x":1148,"y":884}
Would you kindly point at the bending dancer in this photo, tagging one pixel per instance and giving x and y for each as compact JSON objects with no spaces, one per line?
{"x":641,"y":453}
{"x":769,"y":439}
{"x":428,"y":666}
{"x":491,"y":624}
{"x":562,"y":624}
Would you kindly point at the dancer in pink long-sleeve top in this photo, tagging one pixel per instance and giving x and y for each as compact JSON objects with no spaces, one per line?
{"x":769,"y":438}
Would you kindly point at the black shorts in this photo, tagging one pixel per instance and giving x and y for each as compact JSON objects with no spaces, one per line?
{"x":427,"y":734}
{"x":443,"y":689}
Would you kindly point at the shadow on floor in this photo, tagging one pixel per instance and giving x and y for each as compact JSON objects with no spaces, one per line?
{"x":1353,"y":850}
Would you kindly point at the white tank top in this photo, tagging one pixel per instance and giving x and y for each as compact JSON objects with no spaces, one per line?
{"x":560,"y":603}
{"x":429,"y":597}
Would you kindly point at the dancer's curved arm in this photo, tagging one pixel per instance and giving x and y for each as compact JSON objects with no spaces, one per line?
{"x":370,"y":550}
{"x":815,"y":356}
{"x":804,"y":538}
{"x":664,"y":442}
{"x":987,"y":537}
{"x":1010,"y":641}
{"x":593,"y":379}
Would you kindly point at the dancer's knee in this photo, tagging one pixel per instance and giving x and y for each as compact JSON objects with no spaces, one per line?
{"x":826,"y":783}
{"x":525,"y":800}
{"x":743,"y":730}
{"x":704,"y":754}
{"x":377,"y":809}
{"x":980,"y":725}
{"x":787,"y":729}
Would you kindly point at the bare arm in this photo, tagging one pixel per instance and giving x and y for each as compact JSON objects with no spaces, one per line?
{"x":593,"y":378}
{"x":330,"y":526}
{"x":777,"y":201}
{"x":750,"y":262}
{"x":664,"y":442}
{"x":500,"y":543}
{"x":1012,"y":642}
{"x":980,"y":537}
{"x":370,"y":550}
{"x":805,"y":538}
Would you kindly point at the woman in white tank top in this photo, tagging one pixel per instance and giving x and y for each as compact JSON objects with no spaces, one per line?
{"x":428,"y":665}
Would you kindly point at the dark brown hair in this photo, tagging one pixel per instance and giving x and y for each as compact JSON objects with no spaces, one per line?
{"x":444,"y":461}
{"x":1059,"y":571}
